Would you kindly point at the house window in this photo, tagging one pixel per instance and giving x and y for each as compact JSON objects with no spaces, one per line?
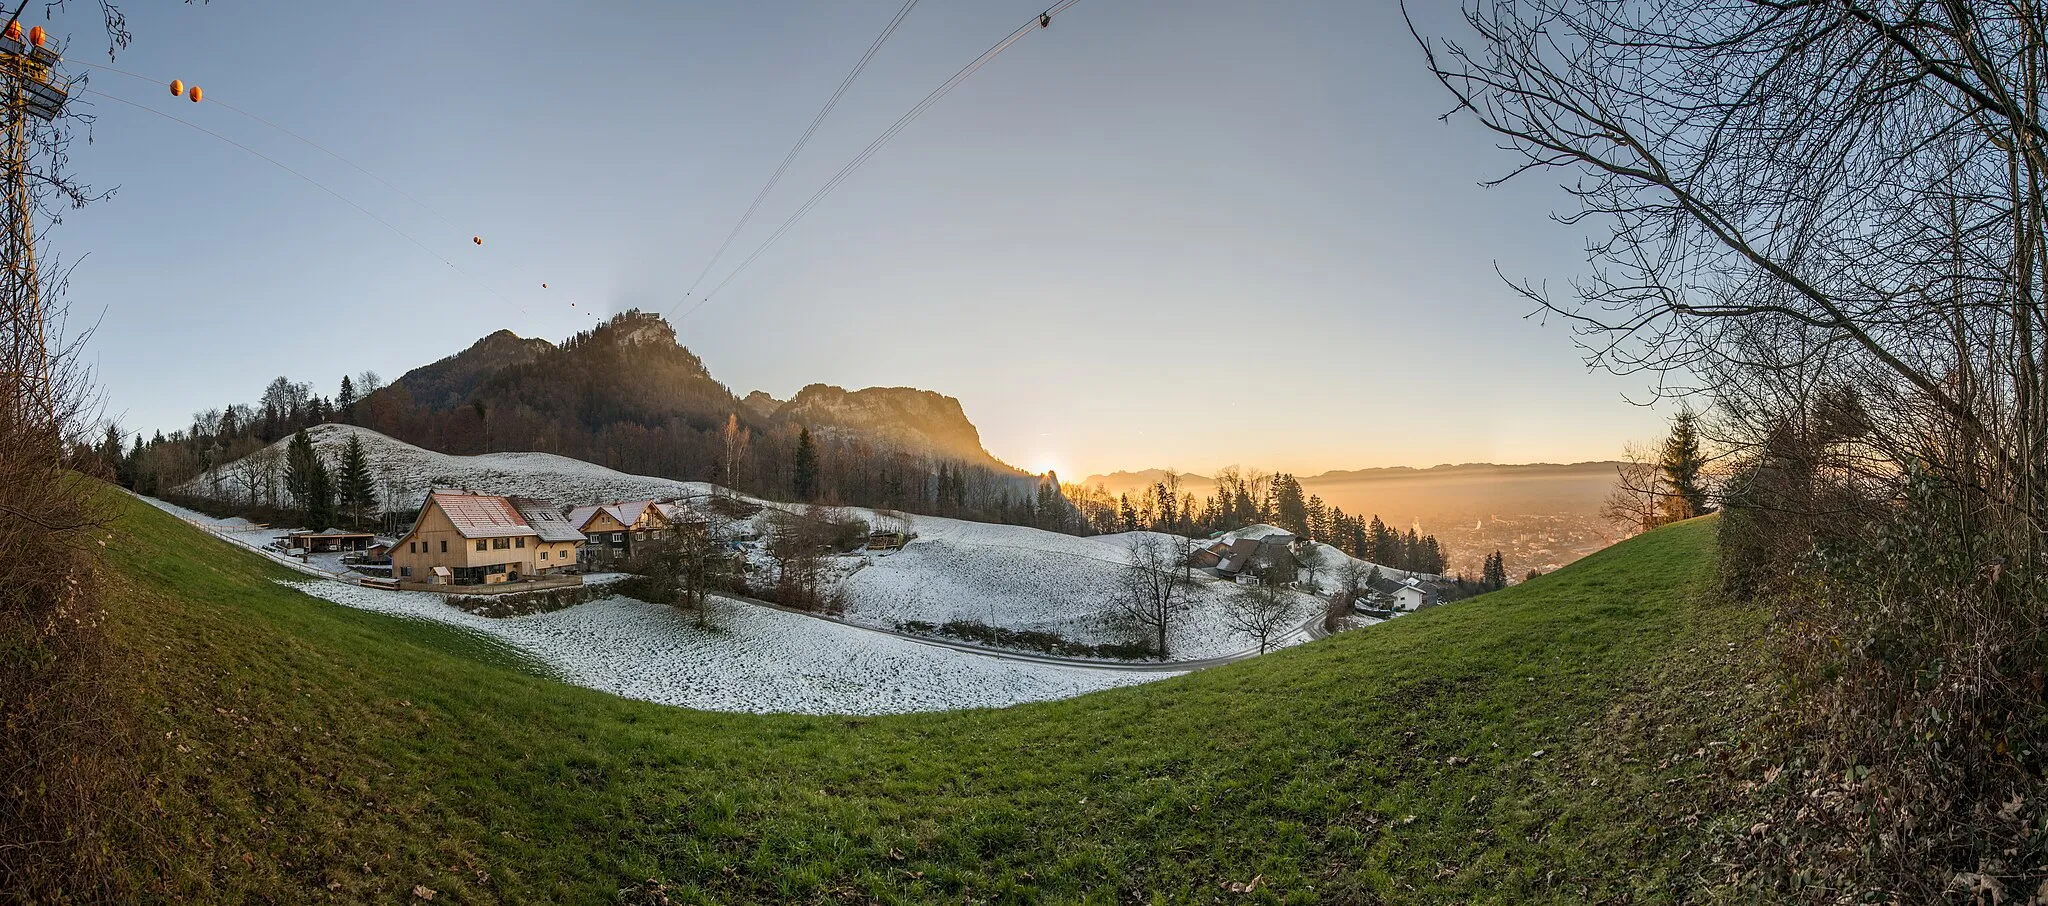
{"x":543,"y":555}
{"x":500,"y":544}
{"x":480,"y":544}
{"x":412,"y":547}
{"x":519,"y":543}
{"x":405,"y":571}
{"x":444,"y":545}
{"x":618,"y":537}
{"x":639,"y":536}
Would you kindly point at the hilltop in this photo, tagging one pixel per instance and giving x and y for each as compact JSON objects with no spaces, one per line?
{"x":1539,"y":744}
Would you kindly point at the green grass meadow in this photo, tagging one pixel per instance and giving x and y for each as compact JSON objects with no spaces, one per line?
{"x":301,"y":751}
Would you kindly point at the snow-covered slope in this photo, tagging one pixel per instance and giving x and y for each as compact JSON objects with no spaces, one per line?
{"x":1007,"y":576}
{"x":405,"y":473}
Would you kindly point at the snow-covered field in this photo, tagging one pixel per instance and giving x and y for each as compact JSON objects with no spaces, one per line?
{"x":757,"y":659}
{"x":984,"y":577}
{"x":1007,"y":576}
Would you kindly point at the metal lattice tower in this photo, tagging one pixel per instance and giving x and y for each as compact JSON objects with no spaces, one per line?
{"x":33,"y":90}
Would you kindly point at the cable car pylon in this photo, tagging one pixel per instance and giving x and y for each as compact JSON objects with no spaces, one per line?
{"x":32,"y":88}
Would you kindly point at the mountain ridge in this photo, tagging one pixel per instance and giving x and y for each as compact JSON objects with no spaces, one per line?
{"x":521,"y":379}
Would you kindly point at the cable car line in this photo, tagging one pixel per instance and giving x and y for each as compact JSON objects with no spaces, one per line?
{"x":805,"y":139}
{"x":1036,"y":22}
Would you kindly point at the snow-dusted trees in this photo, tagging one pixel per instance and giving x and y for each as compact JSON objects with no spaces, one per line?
{"x":1158,"y":585}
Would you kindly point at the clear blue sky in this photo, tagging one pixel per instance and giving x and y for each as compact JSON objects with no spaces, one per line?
{"x":1160,"y":233}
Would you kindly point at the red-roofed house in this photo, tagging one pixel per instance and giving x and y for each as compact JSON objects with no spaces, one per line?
{"x":464,"y":538}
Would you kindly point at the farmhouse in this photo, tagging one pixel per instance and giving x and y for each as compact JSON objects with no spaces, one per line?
{"x":612,"y":529}
{"x":465,"y":538}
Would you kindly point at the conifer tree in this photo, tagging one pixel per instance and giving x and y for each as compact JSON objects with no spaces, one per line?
{"x":1683,"y":464}
{"x":1127,"y":513}
{"x":1289,"y":510}
{"x":354,"y":484}
{"x":1494,"y":575}
{"x":805,"y":470}
{"x":306,"y":479}
{"x":346,"y":399}
{"x":299,"y":463}
{"x":1317,"y":519}
{"x":320,"y":506}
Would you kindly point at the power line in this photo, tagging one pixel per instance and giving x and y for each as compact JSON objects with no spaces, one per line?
{"x":1038,"y":21}
{"x":798,"y":148}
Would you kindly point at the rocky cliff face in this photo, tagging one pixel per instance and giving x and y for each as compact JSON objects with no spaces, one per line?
{"x":451,"y":381}
{"x":630,"y":371}
{"x":761,"y":404}
{"x":902,"y":417}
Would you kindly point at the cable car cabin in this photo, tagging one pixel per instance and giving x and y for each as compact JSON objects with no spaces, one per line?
{"x":43,"y":91}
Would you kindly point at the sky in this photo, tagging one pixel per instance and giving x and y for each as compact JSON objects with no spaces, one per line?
{"x":1178,"y":233}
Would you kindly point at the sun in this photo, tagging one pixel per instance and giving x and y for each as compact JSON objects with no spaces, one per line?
{"x":1046,"y":462}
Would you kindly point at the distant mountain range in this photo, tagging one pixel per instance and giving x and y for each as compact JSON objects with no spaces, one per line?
{"x":1401,"y":493}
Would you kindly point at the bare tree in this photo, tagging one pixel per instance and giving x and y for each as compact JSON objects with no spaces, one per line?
{"x":1261,"y":612}
{"x":688,"y":566}
{"x":1158,"y":586}
{"x":799,"y":542}
{"x":1637,"y":500}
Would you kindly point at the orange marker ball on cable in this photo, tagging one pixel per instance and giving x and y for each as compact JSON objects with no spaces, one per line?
{"x":14,"y":29}
{"x":35,"y":36}
{"x":479,"y":240}
{"x":177,"y":87}
{"x":194,"y":94}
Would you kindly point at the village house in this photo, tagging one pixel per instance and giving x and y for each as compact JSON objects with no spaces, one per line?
{"x":1412,"y":594}
{"x":328,"y":541}
{"x":1244,"y":557}
{"x":465,"y":538}
{"x":612,"y":529}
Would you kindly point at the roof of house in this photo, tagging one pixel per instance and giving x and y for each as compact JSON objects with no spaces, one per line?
{"x":1239,"y":555}
{"x":627,"y":512}
{"x":480,"y":515}
{"x":327,"y":533}
{"x":679,"y":513}
{"x":545,"y":519}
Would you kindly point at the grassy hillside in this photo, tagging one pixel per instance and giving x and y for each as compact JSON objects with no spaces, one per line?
{"x":308,"y":752}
